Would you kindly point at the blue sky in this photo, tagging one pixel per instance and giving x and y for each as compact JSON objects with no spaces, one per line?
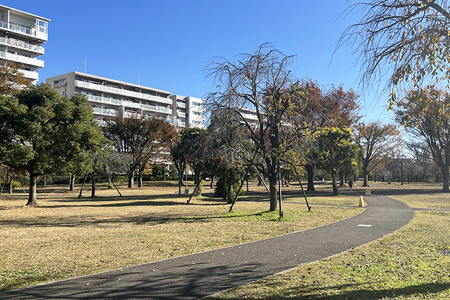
{"x":167,"y":44}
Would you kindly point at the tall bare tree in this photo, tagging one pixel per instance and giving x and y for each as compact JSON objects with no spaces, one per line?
{"x":262,"y":83}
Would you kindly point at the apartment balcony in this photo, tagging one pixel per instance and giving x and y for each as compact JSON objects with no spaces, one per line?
{"x":181,"y":114}
{"x":252,"y":117}
{"x":128,"y":114}
{"x":25,"y":31}
{"x":156,"y":108}
{"x":104,"y":111}
{"x":101,"y":99}
{"x":181,"y":104}
{"x":22,"y":45}
{"x":122,"y":92}
{"x":131,"y":104}
{"x":22,"y":59}
{"x":59,"y":83}
{"x":32,"y":75}
{"x":153,"y":108}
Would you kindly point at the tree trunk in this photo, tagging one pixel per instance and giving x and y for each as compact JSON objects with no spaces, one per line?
{"x":140,"y":178}
{"x":93,"y":184}
{"x":10,"y":187}
{"x":366,"y":176}
{"x":9,"y":184}
{"x":180,"y":179}
{"x":197,"y":177}
{"x":230,"y":188}
{"x":130,"y":180}
{"x":445,"y":178}
{"x":273,"y":192}
{"x":310,"y":170}
{"x":72,"y":182}
{"x":341,"y":177}
{"x":335,"y":188}
{"x":32,"y":197}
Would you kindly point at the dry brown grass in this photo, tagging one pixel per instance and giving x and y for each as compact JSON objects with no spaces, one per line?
{"x":66,"y":236}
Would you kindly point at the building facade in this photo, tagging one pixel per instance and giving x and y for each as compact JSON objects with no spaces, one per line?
{"x":110,"y":97}
{"x":188,"y":111}
{"x":21,"y":37}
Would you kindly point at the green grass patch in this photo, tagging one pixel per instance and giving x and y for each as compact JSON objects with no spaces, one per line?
{"x":408,"y":264}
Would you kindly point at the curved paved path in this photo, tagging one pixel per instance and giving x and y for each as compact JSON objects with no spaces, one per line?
{"x":201,"y":274}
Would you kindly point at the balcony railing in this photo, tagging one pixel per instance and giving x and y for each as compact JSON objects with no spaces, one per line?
{"x":154,"y":108}
{"x":104,"y":100}
{"x":131,"y":104}
{"x":123,"y":92}
{"x":33,"y":75}
{"x":59,"y":83}
{"x":181,"y":114}
{"x":157,"y":108}
{"x":40,"y":34}
{"x":104,"y":111}
{"x":22,"y":45}
{"x":21,"y":59}
{"x":20,"y":28}
{"x":181,"y":104}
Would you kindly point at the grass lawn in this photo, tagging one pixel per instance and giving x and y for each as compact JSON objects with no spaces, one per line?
{"x":412,"y":263}
{"x":65,"y":236}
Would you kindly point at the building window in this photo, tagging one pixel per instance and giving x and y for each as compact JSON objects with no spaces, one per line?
{"x":42,"y":26}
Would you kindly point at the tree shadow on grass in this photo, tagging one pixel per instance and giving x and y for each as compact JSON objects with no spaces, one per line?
{"x":151,"y":219}
{"x":302,"y":292}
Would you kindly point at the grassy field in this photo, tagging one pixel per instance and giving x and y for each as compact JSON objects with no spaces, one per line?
{"x":412,"y":263}
{"x":65,"y":236}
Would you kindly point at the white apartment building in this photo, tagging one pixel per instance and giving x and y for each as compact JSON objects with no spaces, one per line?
{"x":188,"y":111}
{"x":109,"y":97}
{"x":21,"y":37}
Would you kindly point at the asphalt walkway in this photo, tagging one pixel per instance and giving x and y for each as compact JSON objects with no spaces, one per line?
{"x":205,"y":273}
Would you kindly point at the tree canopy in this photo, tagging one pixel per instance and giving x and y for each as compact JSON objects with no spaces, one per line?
{"x":425,"y":113}
{"x":334,"y":149}
{"x":332,"y":107}
{"x":407,"y":40}
{"x":142,"y":138}
{"x":41,"y":132}
{"x":11,"y":79}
